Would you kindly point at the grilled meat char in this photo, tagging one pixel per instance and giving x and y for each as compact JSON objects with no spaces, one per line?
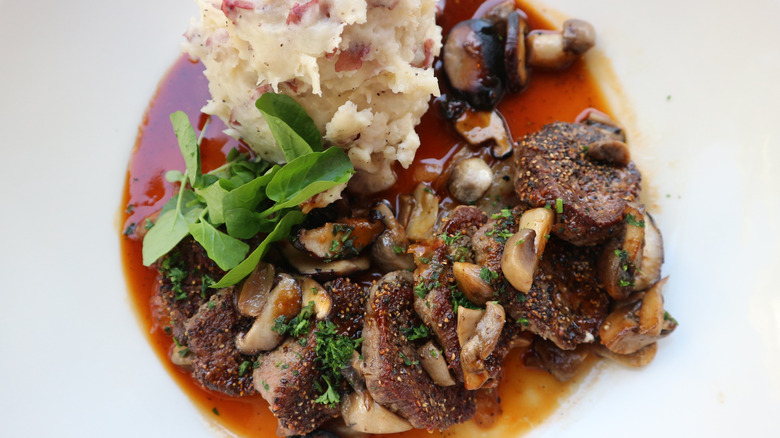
{"x":290,"y":377}
{"x":394,"y":377}
{"x":553,"y":164}
{"x":203,"y":319}
{"x":211,"y":334}
{"x":435,"y":306}
{"x":566,"y":303}
{"x":179,"y":290}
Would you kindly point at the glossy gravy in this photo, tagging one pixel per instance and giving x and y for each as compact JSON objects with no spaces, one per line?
{"x":528,"y":395}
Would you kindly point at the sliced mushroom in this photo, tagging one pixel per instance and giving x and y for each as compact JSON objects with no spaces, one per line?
{"x":519,"y":260}
{"x":424,"y":214}
{"x":181,"y":356}
{"x":467,"y":323}
{"x":497,"y":13}
{"x":353,"y":372}
{"x":313,"y":292}
{"x":541,"y":221}
{"x":502,"y":192}
{"x":406,"y":205}
{"x":652,"y":256}
{"x":611,"y":151}
{"x":480,"y":345}
{"x":478,"y":127}
{"x":469,"y":180}
{"x":602,"y":122}
{"x":639,"y":358}
{"x":433,"y":362}
{"x":254,"y":291}
{"x":283,"y":301}
{"x":390,"y":251}
{"x":362,"y":414}
{"x":343,"y":239}
{"x":556,"y":50}
{"x":472,"y":56}
{"x":471,"y":283}
{"x":622,"y":256}
{"x":514,"y":52}
{"x":637,"y":323}
{"x":310,"y":266}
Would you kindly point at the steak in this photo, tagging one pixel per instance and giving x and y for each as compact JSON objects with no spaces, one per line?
{"x":180,"y":291}
{"x":394,"y":376}
{"x":211,"y":335}
{"x":566,"y":303}
{"x":290,"y":377}
{"x":435,"y":284}
{"x":553,"y":164}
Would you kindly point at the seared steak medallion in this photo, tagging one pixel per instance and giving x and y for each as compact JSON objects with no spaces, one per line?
{"x":211,"y":334}
{"x":290,"y":377}
{"x":394,"y":376}
{"x":553,"y":164}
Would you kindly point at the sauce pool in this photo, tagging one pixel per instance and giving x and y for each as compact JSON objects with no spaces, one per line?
{"x":528,"y":395}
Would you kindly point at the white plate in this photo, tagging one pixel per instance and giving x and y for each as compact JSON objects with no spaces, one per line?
{"x":701,"y":78}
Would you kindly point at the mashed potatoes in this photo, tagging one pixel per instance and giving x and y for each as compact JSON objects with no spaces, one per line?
{"x":362,"y":70}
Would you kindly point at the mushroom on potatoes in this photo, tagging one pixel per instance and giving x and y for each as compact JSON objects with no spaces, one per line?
{"x":469,"y":180}
{"x":472,"y":56}
{"x":478,"y":127}
{"x":556,"y":50}
{"x":284,"y":301}
{"x":519,"y":260}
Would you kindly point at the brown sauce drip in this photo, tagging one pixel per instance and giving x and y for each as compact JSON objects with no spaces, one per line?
{"x":528,"y":395}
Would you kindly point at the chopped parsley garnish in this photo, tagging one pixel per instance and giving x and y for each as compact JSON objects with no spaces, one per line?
{"x":243,"y":368}
{"x":297,"y":326}
{"x":408,"y":362}
{"x":399,"y":249}
{"x":668,"y":317}
{"x":487,"y":275}
{"x":416,"y":332}
{"x":333,"y":351}
{"x":523,"y":321}
{"x":449,"y":240}
{"x":631,"y":220}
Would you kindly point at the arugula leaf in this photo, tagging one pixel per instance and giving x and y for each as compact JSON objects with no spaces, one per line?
{"x":171,"y":227}
{"x":307,"y":176}
{"x":226,"y":251}
{"x":214,"y":195}
{"x":293,"y":129}
{"x":282,"y":230}
{"x":188,"y":145}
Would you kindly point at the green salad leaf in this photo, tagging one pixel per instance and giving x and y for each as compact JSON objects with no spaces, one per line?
{"x":293,"y":129}
{"x":244,"y":197}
